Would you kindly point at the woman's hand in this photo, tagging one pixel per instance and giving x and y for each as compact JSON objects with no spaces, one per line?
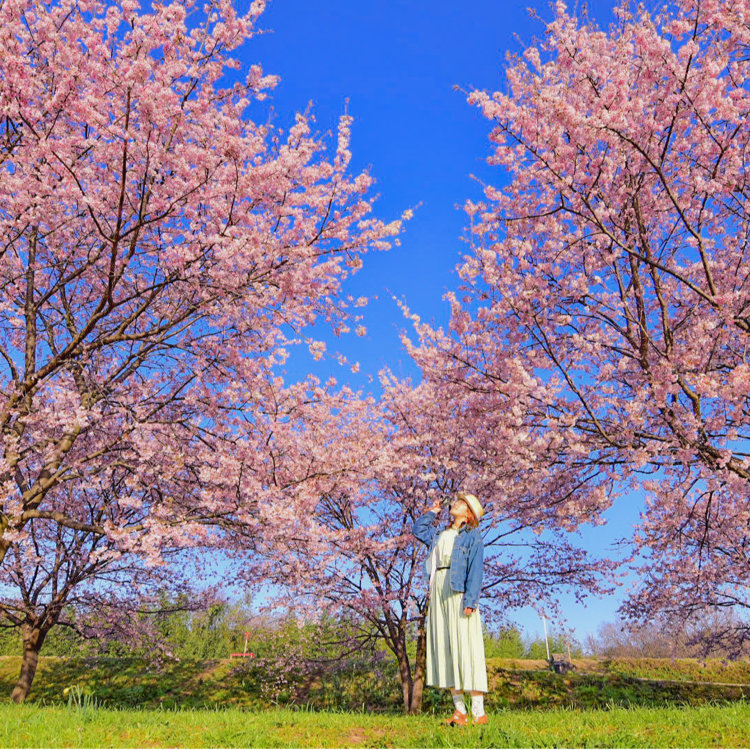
{"x":468,"y":611}
{"x":436,"y":507}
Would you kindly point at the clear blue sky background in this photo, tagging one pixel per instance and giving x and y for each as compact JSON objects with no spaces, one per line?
{"x":397,"y":63}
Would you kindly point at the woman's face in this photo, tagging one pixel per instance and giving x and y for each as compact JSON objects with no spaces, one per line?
{"x":460,"y":510}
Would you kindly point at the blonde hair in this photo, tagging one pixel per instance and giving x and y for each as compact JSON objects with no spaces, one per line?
{"x":471,"y":520}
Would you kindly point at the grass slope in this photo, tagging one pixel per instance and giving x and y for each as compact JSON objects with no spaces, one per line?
{"x":705,"y":726}
{"x":224,"y":683}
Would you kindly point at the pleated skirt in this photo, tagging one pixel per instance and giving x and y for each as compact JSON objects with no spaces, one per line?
{"x":455,"y":647}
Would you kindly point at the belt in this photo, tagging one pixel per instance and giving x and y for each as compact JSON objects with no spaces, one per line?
{"x":444,"y":567}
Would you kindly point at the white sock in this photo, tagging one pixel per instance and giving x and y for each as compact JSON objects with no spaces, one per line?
{"x":477,"y":705}
{"x":458,"y":702}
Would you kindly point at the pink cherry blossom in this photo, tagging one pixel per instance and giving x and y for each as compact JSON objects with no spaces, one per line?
{"x":601,"y":335}
{"x":162,"y":250}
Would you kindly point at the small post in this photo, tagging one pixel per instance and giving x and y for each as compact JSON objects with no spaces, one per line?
{"x":546,"y":642}
{"x":244,"y":651}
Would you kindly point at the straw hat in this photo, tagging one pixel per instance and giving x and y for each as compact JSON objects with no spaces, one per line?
{"x":473,"y":503}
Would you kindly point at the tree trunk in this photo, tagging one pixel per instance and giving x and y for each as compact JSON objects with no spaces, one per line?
{"x":404,"y":670}
{"x":412,"y":680}
{"x":420,"y":668}
{"x":33,"y":638}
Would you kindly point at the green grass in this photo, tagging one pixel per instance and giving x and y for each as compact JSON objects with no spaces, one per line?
{"x":701,"y":670}
{"x":223,"y":703}
{"x":39,"y":726}
{"x":514,"y":684}
{"x":708,"y":670}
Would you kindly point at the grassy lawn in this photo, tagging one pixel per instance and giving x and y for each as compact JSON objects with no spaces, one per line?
{"x":702,"y":726}
{"x":98,"y":702}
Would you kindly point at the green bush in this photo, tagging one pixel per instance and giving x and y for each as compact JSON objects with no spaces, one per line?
{"x":558,"y":644}
{"x":506,"y":643}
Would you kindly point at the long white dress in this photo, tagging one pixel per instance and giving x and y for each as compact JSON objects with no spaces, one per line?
{"x":455,"y":647}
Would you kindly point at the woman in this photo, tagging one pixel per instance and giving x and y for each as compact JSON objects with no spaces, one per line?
{"x":455,"y":648}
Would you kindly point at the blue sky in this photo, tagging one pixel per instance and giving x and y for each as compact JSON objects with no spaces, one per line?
{"x":397,"y":63}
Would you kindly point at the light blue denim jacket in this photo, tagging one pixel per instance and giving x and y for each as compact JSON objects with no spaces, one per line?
{"x":466,"y":560}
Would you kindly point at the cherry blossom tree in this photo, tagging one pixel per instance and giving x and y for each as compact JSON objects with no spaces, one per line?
{"x":606,"y":299}
{"x":369,"y":468}
{"x":80,"y":579}
{"x":162,"y":252}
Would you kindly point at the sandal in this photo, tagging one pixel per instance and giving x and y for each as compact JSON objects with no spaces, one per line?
{"x":458,"y":719}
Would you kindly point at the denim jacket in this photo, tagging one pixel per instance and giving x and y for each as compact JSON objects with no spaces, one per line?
{"x":466,"y":559}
